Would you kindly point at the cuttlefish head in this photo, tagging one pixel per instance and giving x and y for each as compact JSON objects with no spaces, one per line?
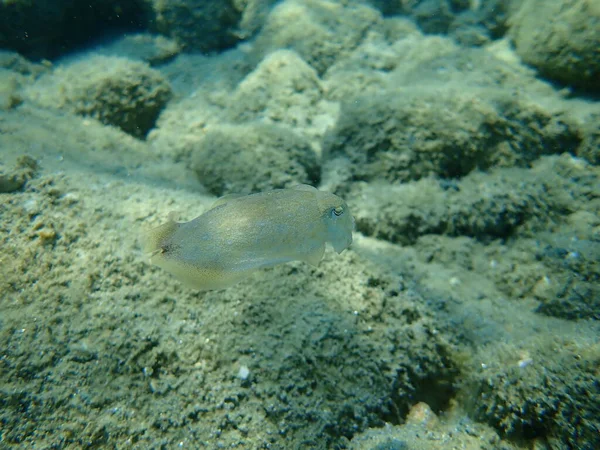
{"x":338,"y":220}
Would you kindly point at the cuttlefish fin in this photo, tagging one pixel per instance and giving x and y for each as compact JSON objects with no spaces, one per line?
{"x":304,"y":187}
{"x":226,"y":198}
{"x":315,"y":257}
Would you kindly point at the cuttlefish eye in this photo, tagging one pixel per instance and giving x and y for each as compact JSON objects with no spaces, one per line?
{"x":338,"y":210}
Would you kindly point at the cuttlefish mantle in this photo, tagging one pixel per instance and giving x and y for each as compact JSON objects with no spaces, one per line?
{"x":241,"y":234}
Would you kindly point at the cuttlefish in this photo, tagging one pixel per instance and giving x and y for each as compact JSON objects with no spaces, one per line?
{"x":241,"y":234}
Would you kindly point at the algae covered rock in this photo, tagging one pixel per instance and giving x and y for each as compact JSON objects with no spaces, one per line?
{"x":403,"y":134}
{"x":590,"y":146}
{"x":320,"y":31}
{"x":209,"y":24}
{"x":470,"y":22}
{"x":14,"y":178}
{"x":540,"y":389}
{"x":116,"y":91}
{"x":407,"y":135}
{"x":253,"y":158}
{"x":16,"y":63}
{"x":394,"y":49}
{"x":10,"y":83}
{"x":352,"y":351}
{"x":296,"y":356}
{"x":284,"y":89}
{"x":422,"y":421}
{"x":15,"y":73}
{"x":483,"y":206}
{"x":561,"y":38}
{"x":570,"y":288}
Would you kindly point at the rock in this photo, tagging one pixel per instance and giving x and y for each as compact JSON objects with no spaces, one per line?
{"x":543,"y":388}
{"x":408,"y":134}
{"x":590,"y":146}
{"x":561,"y":39}
{"x":483,"y":206}
{"x":250,"y":158}
{"x":16,"y":63}
{"x":284,"y":89}
{"x":570,"y":290}
{"x":320,"y":31}
{"x":13,"y":179}
{"x":470,"y":22}
{"x":116,"y":91}
{"x":10,"y":82}
{"x":208,"y":25}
